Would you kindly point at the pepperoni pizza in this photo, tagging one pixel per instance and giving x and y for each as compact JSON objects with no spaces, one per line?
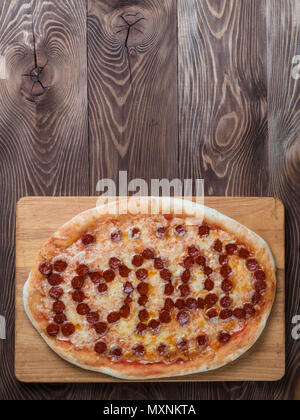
{"x":142,"y":296}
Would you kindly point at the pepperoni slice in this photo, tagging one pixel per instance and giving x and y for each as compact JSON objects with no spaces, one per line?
{"x":185,"y":276}
{"x":78,"y":282}
{"x":68,"y":329}
{"x":100,"y":347}
{"x":96,"y":278}
{"x":143,"y":288}
{"x":252,"y":264}
{"x":260,"y":275}
{"x":52,"y":330}
{"x":141,"y":274}
{"x":249,"y":309}
{"x":239,"y":313}
{"x":209,"y":285}
{"x":182,"y":345}
{"x":55,"y":279}
{"x":148,"y":254}
{"x":231,"y":249}
{"x":116,"y":352}
{"x":100,"y":328}
{"x":210,"y":300}
{"x":224,"y":338}
{"x":212,"y":313}
{"x":92,"y":317}
{"x":201,"y":261}
{"x":165,"y":317}
{"x":82,"y":270}
{"x":159,"y":263}
{"x":165,"y":274}
{"x":223,"y":260}
{"x":58,"y":307}
{"x":183,"y":317}
{"x":162,"y":349}
{"x":169,"y":304}
{"x":56,"y":292}
{"x":169,"y":217}
{"x":161,"y":232}
{"x":188,"y":262}
{"x":243,"y":253}
{"x":180,"y":230}
{"x":137,"y":260}
{"x":60,"y":319}
{"x":193,"y":251}
{"x":143,"y":315}
{"x":227,"y":286}
{"x":45,"y":268}
{"x":218,"y":246}
{"x":78,"y":296}
{"x":128,"y":288}
{"x":109,"y":275}
{"x":135,"y":233}
{"x":180,"y":304}
{"x":114,"y":263}
{"x":225,"y":314}
{"x":102,"y":288}
{"x":154,"y":326}
{"x":142,"y":300}
{"x":125,"y":311}
{"x":203,"y":231}
{"x":87,"y":239}
{"x":169,"y":289}
{"x":124,"y":271}
{"x":184,"y":290}
{"x":83,"y":309}
{"x":128,"y":300}
{"x":191,"y":303}
{"x":138,"y":350}
{"x":207,"y":271}
{"x":260,"y":286}
{"x":116,"y":236}
{"x":141,"y":328}
{"x":202,"y":340}
{"x":226,"y":302}
{"x":201,"y":303}
{"x":256,"y":298}
{"x":113,"y":317}
{"x":225,"y":271}
{"x":60,"y":266}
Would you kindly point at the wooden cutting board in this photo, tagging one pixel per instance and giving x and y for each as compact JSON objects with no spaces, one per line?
{"x":39,"y":217}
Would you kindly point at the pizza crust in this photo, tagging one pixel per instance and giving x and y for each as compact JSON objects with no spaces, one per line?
{"x":239,"y":344}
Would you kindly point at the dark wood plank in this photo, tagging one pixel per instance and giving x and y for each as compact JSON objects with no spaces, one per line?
{"x":223,"y":126}
{"x":222,"y":95}
{"x":284,"y":157}
{"x":132,"y":88}
{"x":43,"y":132}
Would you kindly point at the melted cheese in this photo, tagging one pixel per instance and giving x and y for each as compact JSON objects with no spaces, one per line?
{"x":173,"y":250}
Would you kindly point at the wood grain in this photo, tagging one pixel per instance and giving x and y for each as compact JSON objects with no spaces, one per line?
{"x":284,"y":158}
{"x":222,"y":95}
{"x":237,"y":116}
{"x":268,"y":355}
{"x":43,"y":139}
{"x":132,"y":88}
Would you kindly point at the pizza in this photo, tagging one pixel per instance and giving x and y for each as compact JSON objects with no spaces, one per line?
{"x":140,"y":296}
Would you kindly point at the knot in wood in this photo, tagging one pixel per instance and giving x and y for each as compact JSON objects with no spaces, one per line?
{"x":34,"y":82}
{"x":131,"y":28}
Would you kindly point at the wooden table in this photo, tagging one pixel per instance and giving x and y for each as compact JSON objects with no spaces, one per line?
{"x":162,"y":89}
